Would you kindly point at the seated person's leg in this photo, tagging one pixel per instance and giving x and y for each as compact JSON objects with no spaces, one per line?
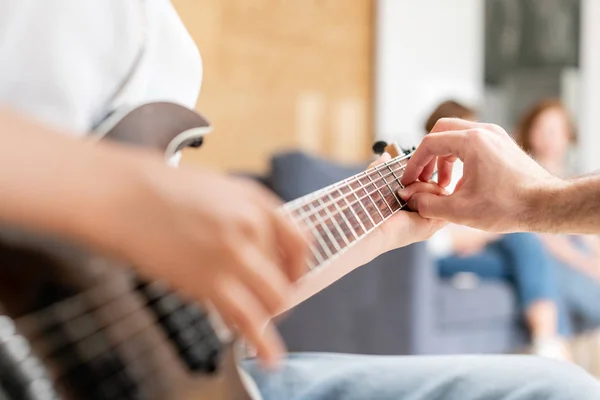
{"x":522,"y":258}
{"x":531,"y":266}
{"x":331,"y":377}
{"x":535,"y":277}
{"x":581,"y":293}
{"x":488,"y":264}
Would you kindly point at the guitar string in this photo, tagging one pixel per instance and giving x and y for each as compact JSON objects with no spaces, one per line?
{"x":373,"y":191}
{"x":357,"y":200}
{"x":326,"y":252}
{"x":298,"y":204}
{"x":365,"y":233}
{"x":86,"y":296}
{"x":126,"y":339}
{"x":322,"y":255}
{"x":145,"y":353}
{"x":152,"y":325}
{"x":148,"y":352}
{"x":34,"y":323}
{"x":132,"y":334}
{"x":54,"y":348}
{"x":123,"y":318}
{"x":149,"y":373}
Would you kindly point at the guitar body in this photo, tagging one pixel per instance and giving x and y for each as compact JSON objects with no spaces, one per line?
{"x":74,"y":325}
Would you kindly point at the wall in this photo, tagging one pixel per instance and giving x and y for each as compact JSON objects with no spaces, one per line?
{"x":589,"y":128}
{"x":426,"y":51}
{"x":283,"y":74}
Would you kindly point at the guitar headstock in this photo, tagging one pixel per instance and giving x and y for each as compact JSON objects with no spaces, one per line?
{"x":393,"y":149}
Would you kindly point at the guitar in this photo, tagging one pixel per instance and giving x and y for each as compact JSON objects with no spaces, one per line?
{"x":75,"y":325}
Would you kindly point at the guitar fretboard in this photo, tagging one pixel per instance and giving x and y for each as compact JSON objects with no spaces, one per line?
{"x":341,"y":214}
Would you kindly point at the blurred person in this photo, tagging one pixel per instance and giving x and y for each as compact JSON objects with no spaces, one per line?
{"x":546,"y":131}
{"x":63,"y":65}
{"x":518,"y":258}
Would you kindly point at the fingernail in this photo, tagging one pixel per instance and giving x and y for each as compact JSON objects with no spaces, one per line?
{"x":403,"y":193}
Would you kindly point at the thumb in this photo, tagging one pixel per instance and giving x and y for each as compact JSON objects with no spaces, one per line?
{"x":432,"y":206}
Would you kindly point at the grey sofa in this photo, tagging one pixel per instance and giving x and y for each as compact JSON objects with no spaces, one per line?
{"x":396,"y":304}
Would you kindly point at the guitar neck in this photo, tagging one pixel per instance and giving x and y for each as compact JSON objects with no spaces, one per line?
{"x":341,"y":214}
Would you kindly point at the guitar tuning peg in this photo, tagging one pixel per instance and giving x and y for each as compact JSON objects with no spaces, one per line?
{"x":379,"y":147}
{"x":197,"y":143}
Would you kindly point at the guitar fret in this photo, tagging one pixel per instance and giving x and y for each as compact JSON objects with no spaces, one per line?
{"x":389,"y":186}
{"x":341,"y":212}
{"x":335,"y":213}
{"x":316,"y":259}
{"x":327,"y":232}
{"x":381,"y":194}
{"x":317,"y":235}
{"x":395,"y":176}
{"x":334,"y":221}
{"x":352,"y":210}
{"x":372,"y":201}
{"x":363,"y":207}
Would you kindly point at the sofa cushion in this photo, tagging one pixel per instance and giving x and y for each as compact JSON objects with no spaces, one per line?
{"x":295,"y":174}
{"x":487,"y":302}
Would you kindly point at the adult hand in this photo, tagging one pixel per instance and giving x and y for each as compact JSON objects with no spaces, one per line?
{"x":499,"y":185}
{"x":217,"y":239}
{"x":404,"y":227}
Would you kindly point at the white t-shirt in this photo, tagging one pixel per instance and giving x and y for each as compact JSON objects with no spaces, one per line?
{"x":69,"y":63}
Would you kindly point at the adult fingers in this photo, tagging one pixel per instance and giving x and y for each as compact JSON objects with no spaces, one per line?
{"x":428,"y":171}
{"x":293,"y":246}
{"x":264,"y":276}
{"x":421,"y":187}
{"x":428,"y":199}
{"x":434,"y":145}
{"x":444,"y":165}
{"x":242,"y":311}
{"x":457,"y":124}
{"x":433,"y":206}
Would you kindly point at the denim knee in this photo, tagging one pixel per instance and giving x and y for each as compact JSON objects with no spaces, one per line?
{"x":535,"y":378}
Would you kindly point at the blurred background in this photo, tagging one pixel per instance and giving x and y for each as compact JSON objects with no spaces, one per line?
{"x":329,"y":76}
{"x":299,"y":90}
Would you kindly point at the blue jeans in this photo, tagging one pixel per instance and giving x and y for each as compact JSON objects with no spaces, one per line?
{"x":579,"y":293}
{"x":520,"y":258}
{"x":332,"y":377}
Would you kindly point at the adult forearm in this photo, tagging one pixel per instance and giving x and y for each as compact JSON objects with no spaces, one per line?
{"x":311,"y":284}
{"x":55,"y":184}
{"x":571,"y":206}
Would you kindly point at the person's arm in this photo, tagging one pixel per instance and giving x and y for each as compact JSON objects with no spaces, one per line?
{"x":212,"y":237}
{"x":502,"y":188}
{"x":571,"y":206}
{"x":215,"y":238}
{"x":50,"y":181}
{"x":400,"y":230}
